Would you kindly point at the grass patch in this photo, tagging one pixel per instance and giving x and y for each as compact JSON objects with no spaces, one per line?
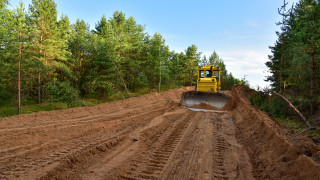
{"x":292,"y":123}
{"x":92,"y":102}
{"x":315,"y":133}
{"x":29,"y":106}
{"x":11,"y":109}
{"x":282,"y":113}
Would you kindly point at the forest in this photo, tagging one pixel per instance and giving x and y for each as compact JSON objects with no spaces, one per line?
{"x":295,"y":60}
{"x":46,"y":58}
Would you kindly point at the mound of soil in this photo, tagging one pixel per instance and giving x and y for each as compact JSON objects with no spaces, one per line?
{"x":208,"y":101}
{"x":227,"y":107}
{"x":274,"y":152}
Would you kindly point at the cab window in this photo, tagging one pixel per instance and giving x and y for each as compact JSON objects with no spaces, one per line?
{"x":216,"y":74}
{"x":208,"y":73}
{"x":201,"y":74}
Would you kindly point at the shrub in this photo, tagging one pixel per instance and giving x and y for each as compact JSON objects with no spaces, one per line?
{"x":274,"y":105}
{"x":64,"y":92}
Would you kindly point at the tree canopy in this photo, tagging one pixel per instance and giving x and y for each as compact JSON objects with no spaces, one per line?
{"x":294,"y":62}
{"x":43,"y":57}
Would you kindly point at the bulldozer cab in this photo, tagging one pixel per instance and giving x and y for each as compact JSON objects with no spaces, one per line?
{"x":208,"y":79}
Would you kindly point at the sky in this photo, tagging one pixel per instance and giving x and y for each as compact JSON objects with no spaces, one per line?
{"x":239,"y":31}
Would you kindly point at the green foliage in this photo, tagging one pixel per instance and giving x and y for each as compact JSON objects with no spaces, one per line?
{"x":3,"y":3}
{"x":293,"y":123}
{"x":315,"y":133}
{"x":191,"y":64}
{"x":157,"y":57}
{"x":229,"y":81}
{"x":295,"y":55}
{"x":277,"y":107}
{"x":258,"y":99}
{"x":63,"y":92}
{"x":274,"y":105}
{"x":10,"y":109}
{"x":62,"y":61}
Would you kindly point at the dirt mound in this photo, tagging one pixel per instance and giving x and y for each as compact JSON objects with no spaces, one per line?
{"x":275,"y":153}
{"x":227,"y":107}
{"x":206,"y":100}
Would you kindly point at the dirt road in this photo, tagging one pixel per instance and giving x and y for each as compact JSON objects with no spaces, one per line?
{"x":152,"y":137}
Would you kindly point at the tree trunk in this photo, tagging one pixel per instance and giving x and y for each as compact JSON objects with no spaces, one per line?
{"x":79,"y":68}
{"x":192,"y":64}
{"x":39,"y":75}
{"x":294,"y":108}
{"x":39,"y":90}
{"x":118,"y":90}
{"x":160,"y":75}
{"x":124,"y":84}
{"x":76,"y":59}
{"x":313,"y":68}
{"x":19,"y":80}
{"x":281,"y":64}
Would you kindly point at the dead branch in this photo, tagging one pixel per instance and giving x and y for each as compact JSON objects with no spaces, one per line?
{"x":294,"y":108}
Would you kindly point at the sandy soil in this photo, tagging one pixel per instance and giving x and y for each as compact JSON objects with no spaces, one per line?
{"x":152,"y":137}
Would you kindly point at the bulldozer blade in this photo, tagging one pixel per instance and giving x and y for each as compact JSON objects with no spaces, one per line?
{"x":215,"y":100}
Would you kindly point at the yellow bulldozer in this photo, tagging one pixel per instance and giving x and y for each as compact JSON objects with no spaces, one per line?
{"x":207,"y":90}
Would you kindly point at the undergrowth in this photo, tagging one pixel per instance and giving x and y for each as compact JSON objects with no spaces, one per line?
{"x":280,"y":111}
{"x":57,"y":102}
{"x":11,"y":109}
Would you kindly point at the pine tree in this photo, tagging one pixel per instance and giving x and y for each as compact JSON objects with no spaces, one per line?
{"x":4,"y":13}
{"x":78,"y":46}
{"x":204,"y":61}
{"x":5,"y":17}
{"x":175,"y":67}
{"x":295,"y":55}
{"x":103,"y":28}
{"x":128,"y":39}
{"x":15,"y":49}
{"x":309,"y":15}
{"x":283,"y":24}
{"x":20,"y":34}
{"x":192,"y":61}
{"x":158,"y":53}
{"x":100,"y":73}
{"x":49,"y":43}
{"x":62,"y":61}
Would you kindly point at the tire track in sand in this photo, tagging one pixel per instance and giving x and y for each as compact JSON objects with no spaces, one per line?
{"x":30,"y":161}
{"x":153,"y":159}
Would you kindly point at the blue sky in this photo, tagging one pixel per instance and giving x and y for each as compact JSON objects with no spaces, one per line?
{"x":239,"y":31}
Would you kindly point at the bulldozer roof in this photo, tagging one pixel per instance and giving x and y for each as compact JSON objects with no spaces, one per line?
{"x":209,"y":67}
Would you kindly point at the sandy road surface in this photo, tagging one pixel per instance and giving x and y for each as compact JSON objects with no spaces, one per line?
{"x":152,"y":137}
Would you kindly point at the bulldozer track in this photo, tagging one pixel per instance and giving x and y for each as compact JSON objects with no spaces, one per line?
{"x":219,"y":145}
{"x":155,"y":158}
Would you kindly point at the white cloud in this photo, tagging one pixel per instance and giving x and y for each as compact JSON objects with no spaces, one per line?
{"x":246,"y":63}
